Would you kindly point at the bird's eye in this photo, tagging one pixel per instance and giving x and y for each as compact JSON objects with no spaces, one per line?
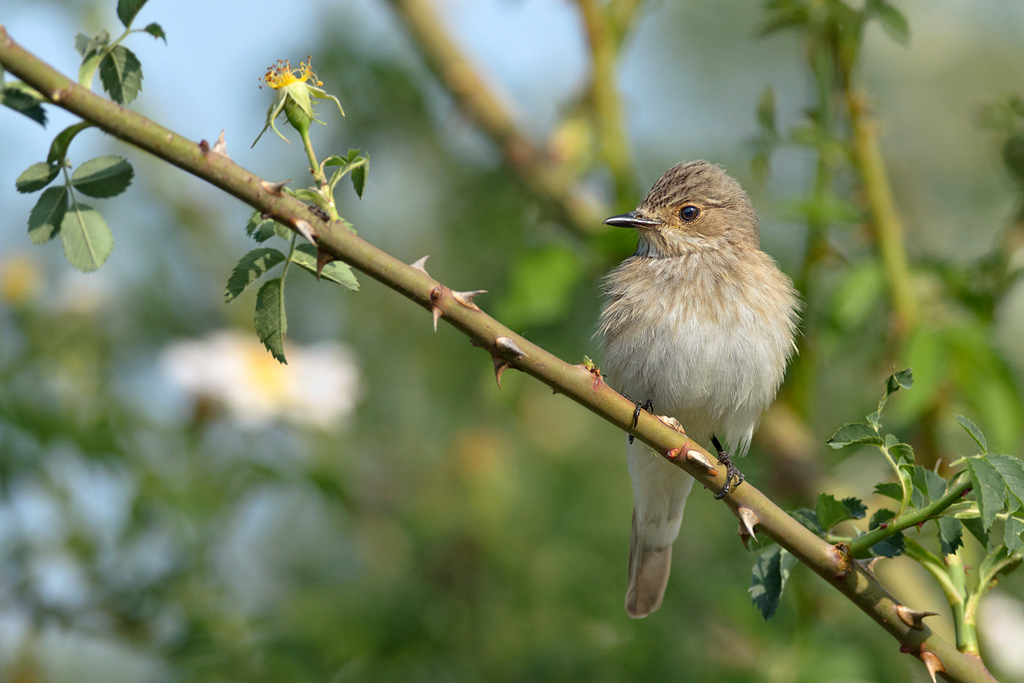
{"x":689,"y":213}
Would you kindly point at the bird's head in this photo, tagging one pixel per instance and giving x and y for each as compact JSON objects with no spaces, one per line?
{"x":693,"y":206}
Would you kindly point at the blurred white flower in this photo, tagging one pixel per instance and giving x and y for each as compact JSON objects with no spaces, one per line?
{"x":319,"y":387}
{"x":1001,"y":624}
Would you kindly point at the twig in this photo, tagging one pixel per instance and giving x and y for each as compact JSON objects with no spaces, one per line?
{"x":578,"y":382}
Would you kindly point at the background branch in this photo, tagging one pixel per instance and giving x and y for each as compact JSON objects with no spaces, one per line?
{"x":575,"y":381}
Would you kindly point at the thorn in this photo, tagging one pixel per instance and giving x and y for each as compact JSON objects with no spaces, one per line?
{"x":671,"y":422}
{"x":674,"y":453}
{"x":322,"y":259}
{"x":221,"y":147}
{"x":508,"y":345}
{"x":500,"y":366}
{"x":748,"y":520}
{"x":435,"y":295}
{"x":932,"y":663}
{"x":305,"y":229}
{"x":697,"y":458}
{"x":912,"y":617}
{"x":868,"y":565}
{"x":421,"y":263}
{"x":437,"y":314}
{"x":204,"y":146}
{"x":274,"y":188}
{"x":466,"y":298}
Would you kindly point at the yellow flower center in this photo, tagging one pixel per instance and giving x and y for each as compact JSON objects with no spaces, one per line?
{"x":281,"y":74}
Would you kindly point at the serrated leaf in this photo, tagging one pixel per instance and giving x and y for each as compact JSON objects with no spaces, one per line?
{"x":270,"y":320}
{"x":121,"y":75}
{"x":1011,"y":534}
{"x":86,"y":44}
{"x":951,"y":532}
{"x":853,"y":433}
{"x":768,"y":579}
{"x":156,"y":31}
{"x":335,"y":271}
{"x":127,"y":9}
{"x":904,"y":379}
{"x":59,"y":146}
{"x":890,"y":489}
{"x":259,"y":228}
{"x":250,"y":268}
{"x":106,"y":176}
{"x":975,"y":433}
{"x":894,"y":23}
{"x":928,"y":486}
{"x":86,"y":238}
{"x":988,"y":487}
{"x":45,"y":219}
{"x":1012,"y":471}
{"x":902,"y":452}
{"x":359,"y":177}
{"x":831,"y":512}
{"x":36,"y":177}
{"x":25,"y":100}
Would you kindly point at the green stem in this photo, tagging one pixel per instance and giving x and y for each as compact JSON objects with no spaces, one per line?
{"x":314,"y":165}
{"x":987,"y":573}
{"x":861,"y":544}
{"x":966,"y":634}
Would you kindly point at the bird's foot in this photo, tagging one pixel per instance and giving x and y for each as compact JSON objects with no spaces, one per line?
{"x":647,"y":405}
{"x":731,"y":471}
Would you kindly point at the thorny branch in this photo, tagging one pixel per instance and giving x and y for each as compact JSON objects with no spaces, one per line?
{"x":508,"y":350}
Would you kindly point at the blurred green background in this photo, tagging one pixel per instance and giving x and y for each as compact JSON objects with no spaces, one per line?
{"x":427,"y":526}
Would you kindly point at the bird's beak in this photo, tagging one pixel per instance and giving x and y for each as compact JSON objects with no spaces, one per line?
{"x":633,"y":219}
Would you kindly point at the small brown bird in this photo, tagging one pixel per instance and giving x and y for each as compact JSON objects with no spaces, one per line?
{"x":700,"y":322}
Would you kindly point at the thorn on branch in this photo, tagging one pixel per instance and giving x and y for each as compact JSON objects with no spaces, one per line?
{"x":671,"y":423}
{"x":420,"y":264}
{"x":305,"y":229}
{"x":221,"y":147}
{"x":868,"y":565}
{"x":435,"y":295}
{"x":931,"y":662}
{"x":500,"y":366}
{"x":697,"y":458}
{"x":466,"y":298}
{"x":508,"y":345}
{"x":204,"y":147}
{"x":322,"y":259}
{"x":748,"y":520}
{"x":912,"y":617}
{"x":841,"y":559}
{"x":274,"y":188}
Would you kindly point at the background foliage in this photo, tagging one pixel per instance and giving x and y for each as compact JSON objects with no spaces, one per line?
{"x":445,"y":530}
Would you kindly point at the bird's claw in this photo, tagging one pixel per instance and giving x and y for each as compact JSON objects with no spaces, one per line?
{"x":647,"y":405}
{"x":733,"y":477}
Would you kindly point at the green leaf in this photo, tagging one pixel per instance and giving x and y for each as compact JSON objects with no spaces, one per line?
{"x":928,"y":486}
{"x":335,"y":271}
{"x":127,"y":9}
{"x":46,"y":216}
{"x":853,"y":433}
{"x":352,"y":163}
{"x":950,"y":534}
{"x":92,"y":50}
{"x":156,"y":31}
{"x":894,"y":23}
{"x":250,"y":268}
{"x":121,"y":75}
{"x":904,"y":379}
{"x":262,"y":229}
{"x":831,"y":512}
{"x":975,"y":433}
{"x":106,"y":176}
{"x":989,"y":489}
{"x":25,"y":100}
{"x":1012,"y":471}
{"x":974,"y":525}
{"x":59,"y":146}
{"x":36,"y":177}
{"x":270,"y":320}
{"x":359,"y":177}
{"x":768,"y":579}
{"x":890,"y":489}
{"x":1011,"y":534}
{"x":902,"y":452}
{"x":86,"y":238}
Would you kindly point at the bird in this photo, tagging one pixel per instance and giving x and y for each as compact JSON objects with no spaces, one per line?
{"x":700,"y":323}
